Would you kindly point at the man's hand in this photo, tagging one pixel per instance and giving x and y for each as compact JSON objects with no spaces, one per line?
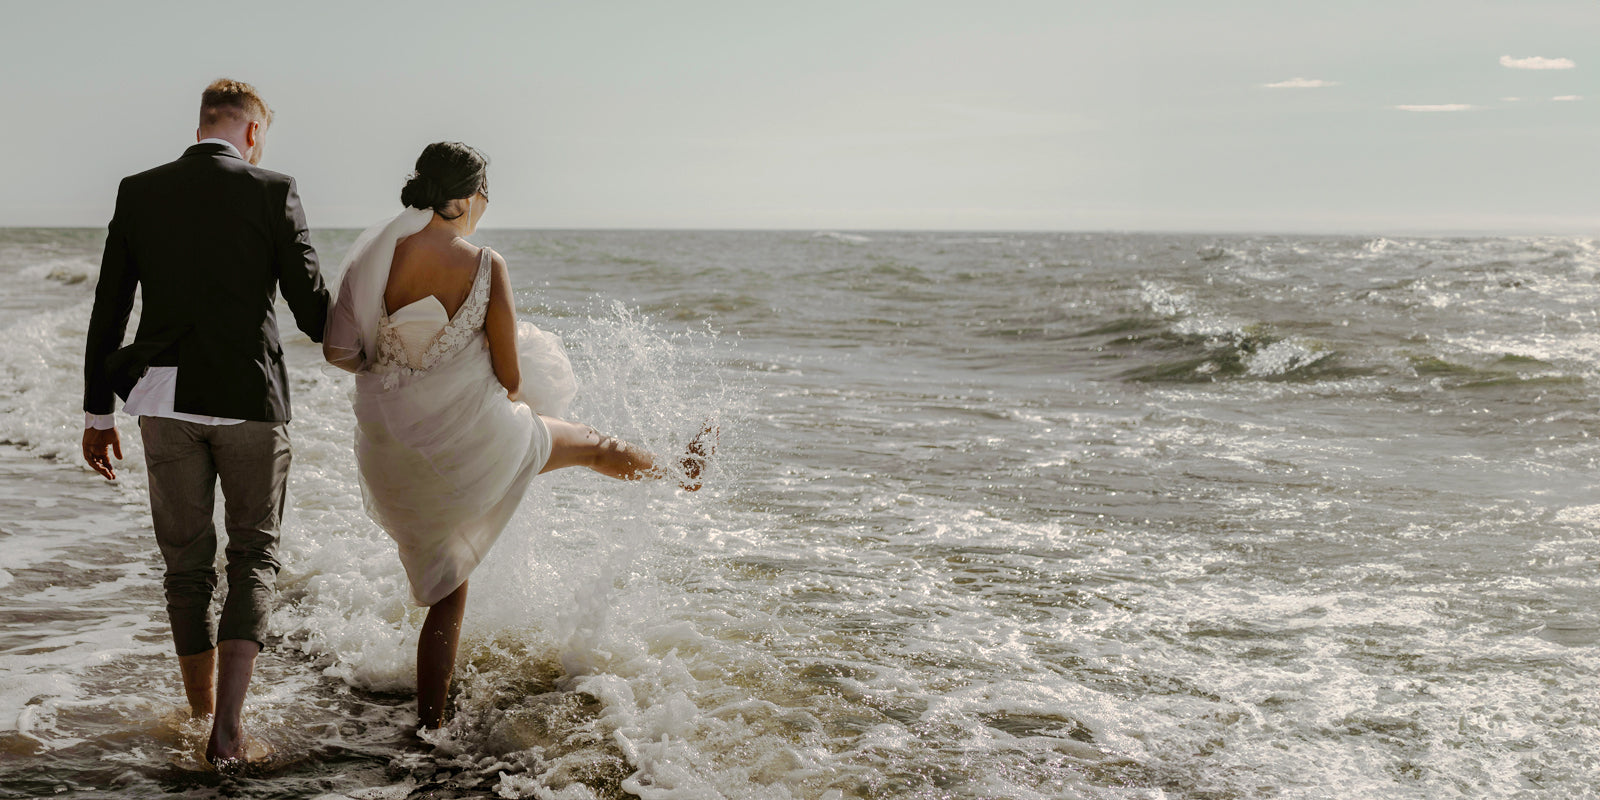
{"x":95,"y":443}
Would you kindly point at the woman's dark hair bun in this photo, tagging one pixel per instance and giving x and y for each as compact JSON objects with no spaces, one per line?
{"x":445,"y":171}
{"x":420,"y":192}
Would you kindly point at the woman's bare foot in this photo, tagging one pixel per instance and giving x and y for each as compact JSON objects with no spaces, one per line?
{"x":697,"y":455}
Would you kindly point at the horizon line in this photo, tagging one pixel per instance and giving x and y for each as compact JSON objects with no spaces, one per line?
{"x":1405,"y":232}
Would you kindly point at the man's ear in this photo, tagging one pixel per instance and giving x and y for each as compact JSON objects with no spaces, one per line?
{"x":250,"y":134}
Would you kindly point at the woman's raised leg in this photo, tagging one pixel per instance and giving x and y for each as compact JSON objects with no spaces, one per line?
{"x":577,"y":445}
{"x":436,"y":655}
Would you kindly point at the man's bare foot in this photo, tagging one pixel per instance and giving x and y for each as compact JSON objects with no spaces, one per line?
{"x":250,"y":755}
{"x":236,"y":659}
{"x":697,"y":455}
{"x":226,"y":748}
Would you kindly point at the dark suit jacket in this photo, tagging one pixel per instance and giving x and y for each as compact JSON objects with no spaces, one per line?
{"x":209,"y":239}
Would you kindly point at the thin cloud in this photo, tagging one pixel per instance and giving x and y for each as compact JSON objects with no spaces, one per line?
{"x":1567,"y":98}
{"x":1510,"y":99}
{"x":1440,"y":107}
{"x":1301,"y":83}
{"x":1536,"y":62}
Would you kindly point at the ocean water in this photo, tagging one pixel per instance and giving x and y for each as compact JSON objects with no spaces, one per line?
{"x":994,"y":516}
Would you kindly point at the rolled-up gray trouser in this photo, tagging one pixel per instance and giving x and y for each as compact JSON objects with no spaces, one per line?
{"x":184,"y":461}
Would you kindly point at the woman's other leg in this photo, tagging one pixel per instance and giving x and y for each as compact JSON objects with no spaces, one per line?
{"x":436,"y":655}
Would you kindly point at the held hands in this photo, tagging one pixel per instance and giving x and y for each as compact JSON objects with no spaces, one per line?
{"x":95,"y":443}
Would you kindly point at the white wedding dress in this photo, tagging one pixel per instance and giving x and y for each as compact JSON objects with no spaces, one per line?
{"x":444,"y":456}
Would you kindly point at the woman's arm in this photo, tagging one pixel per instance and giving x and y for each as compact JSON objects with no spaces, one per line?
{"x":500,"y":327}
{"x":341,"y":340}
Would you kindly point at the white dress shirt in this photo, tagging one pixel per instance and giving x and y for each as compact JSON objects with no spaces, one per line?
{"x":156,"y":392}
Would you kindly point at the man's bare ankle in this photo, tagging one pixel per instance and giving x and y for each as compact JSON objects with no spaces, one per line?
{"x":199,"y":672}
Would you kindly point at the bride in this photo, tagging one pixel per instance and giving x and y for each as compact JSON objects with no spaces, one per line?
{"x":458,"y":405}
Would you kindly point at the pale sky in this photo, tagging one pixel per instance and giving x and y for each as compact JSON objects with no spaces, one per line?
{"x":1193,"y":115}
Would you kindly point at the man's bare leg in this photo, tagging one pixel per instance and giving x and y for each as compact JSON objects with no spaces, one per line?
{"x":200,"y":682}
{"x":436,"y":655}
{"x":236,"y":660}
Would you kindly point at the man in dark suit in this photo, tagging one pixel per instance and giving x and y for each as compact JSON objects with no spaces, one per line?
{"x":208,"y":240}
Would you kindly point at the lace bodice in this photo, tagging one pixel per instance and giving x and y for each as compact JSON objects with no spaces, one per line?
{"x":414,"y":338}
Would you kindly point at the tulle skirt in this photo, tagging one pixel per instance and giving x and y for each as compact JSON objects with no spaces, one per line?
{"x":445,"y":457}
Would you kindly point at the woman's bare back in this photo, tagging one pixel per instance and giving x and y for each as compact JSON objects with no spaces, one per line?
{"x":431,"y":263}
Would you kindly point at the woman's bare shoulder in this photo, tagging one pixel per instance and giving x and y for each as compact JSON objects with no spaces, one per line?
{"x":435,"y":253}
